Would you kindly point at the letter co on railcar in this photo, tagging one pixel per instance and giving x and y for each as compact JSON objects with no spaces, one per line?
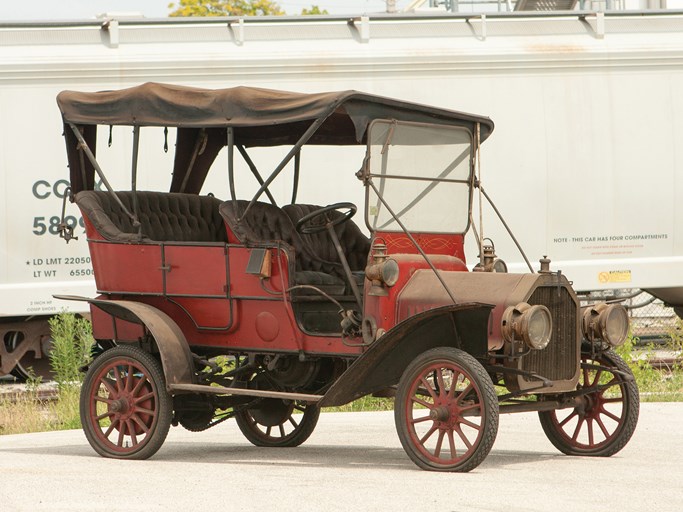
{"x":226,"y":305}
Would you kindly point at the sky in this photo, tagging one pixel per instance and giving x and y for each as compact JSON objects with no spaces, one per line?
{"x":34,"y":10}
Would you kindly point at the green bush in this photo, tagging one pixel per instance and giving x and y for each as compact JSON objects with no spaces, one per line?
{"x":655,"y":384}
{"x":72,"y":345}
{"x":676,"y":335}
{"x":65,"y":411}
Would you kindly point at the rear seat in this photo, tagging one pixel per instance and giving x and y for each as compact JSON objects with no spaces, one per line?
{"x":164,"y":216}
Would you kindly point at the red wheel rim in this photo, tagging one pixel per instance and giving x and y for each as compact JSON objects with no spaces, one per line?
{"x":444,"y":414}
{"x":123,"y":406}
{"x":601,"y":414}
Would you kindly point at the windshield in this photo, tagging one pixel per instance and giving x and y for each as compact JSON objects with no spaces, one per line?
{"x":420,"y":172}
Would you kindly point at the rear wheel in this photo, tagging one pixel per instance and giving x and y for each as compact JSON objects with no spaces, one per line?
{"x":446,"y":411}
{"x":278,"y":423}
{"x":605,"y":419}
{"x":125,"y":408}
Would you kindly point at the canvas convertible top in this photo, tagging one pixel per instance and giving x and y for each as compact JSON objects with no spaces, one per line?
{"x":257,"y":117}
{"x":154,"y":104}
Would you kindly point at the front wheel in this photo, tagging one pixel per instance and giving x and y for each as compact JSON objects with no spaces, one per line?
{"x":604,"y":419}
{"x":446,"y":411}
{"x":125,"y":408}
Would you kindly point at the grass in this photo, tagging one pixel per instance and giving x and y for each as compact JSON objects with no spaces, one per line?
{"x":366,"y":403}
{"x":26,"y":413}
{"x":656,"y":384}
{"x":72,"y":345}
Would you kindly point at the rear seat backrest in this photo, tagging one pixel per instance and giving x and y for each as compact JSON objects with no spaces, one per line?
{"x":164,"y":216}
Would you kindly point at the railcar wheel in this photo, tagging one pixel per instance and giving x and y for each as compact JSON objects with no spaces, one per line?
{"x":29,"y":365}
{"x":125,"y":408}
{"x":274,"y":424}
{"x":604,"y":421}
{"x":446,"y":411}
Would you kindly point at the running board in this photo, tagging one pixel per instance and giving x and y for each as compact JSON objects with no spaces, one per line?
{"x":220,"y":390}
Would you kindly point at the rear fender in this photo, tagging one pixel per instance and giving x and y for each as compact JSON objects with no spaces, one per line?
{"x":463,"y":326}
{"x":176,"y":358}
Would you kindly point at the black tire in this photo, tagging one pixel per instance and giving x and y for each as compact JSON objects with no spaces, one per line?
{"x":443,"y":390}
{"x":125,"y":409}
{"x":274,"y":424}
{"x":614,"y":409}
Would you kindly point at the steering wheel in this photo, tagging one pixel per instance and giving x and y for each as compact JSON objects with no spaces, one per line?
{"x":312,"y":223}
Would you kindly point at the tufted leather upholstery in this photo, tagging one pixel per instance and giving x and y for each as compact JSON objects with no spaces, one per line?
{"x":354,"y":243}
{"x":164,"y":217}
{"x":265,"y":222}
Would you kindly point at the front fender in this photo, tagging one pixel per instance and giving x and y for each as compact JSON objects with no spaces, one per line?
{"x":463,"y":326}
{"x":176,"y":358}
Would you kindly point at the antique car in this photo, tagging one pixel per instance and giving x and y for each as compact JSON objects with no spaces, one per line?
{"x":238,"y":307}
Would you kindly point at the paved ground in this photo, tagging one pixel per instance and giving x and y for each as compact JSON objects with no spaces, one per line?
{"x":352,"y":462}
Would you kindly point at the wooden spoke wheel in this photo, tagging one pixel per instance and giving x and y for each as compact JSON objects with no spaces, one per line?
{"x":605,"y":419}
{"x":446,"y":411}
{"x":278,"y":423}
{"x":125,"y":408}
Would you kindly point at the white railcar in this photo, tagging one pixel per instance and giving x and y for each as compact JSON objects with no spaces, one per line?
{"x":584,"y":162}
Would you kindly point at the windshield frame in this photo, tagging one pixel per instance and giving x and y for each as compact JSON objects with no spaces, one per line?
{"x":372,"y":189}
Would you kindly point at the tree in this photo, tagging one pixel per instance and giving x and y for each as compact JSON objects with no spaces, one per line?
{"x":313,"y":10}
{"x":225,"y":8}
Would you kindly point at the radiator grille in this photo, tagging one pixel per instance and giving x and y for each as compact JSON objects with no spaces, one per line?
{"x":558,"y":361}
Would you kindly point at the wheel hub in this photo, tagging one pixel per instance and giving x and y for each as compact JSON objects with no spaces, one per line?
{"x":447,"y":413}
{"x":588,"y":406}
{"x":592,"y":406}
{"x":439,"y":414}
{"x":119,"y":406}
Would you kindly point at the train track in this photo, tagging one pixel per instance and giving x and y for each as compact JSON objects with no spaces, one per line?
{"x":13,"y":392}
{"x":667,"y":363}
